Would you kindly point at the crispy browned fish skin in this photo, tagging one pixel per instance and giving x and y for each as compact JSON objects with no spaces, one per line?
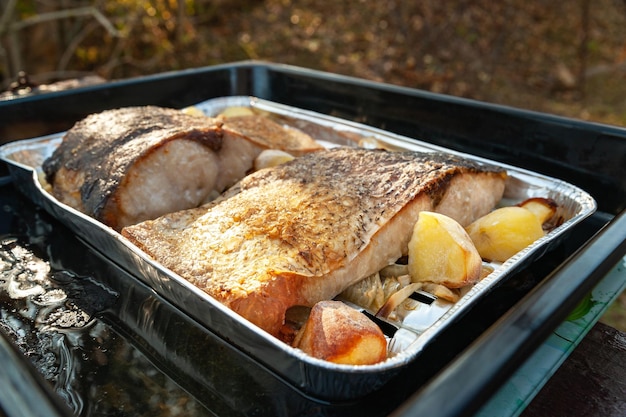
{"x":131,"y":164}
{"x":86,"y":170}
{"x":302,"y":232}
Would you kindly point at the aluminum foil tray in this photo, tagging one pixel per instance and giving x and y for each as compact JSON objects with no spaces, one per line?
{"x":408,"y":334}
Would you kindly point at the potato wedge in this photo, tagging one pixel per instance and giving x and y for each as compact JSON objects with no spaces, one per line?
{"x":441,"y":252}
{"x":504,"y":232}
{"x":340,"y":334}
{"x":270,"y":158}
{"x":543,"y":208}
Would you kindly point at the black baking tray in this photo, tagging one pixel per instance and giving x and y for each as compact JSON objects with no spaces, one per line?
{"x":505,"y":327}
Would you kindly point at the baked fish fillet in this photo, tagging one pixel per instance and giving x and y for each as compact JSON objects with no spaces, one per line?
{"x":302,"y":232}
{"x":131,"y":164}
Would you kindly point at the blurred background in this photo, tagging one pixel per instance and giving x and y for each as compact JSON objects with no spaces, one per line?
{"x":565,"y":58}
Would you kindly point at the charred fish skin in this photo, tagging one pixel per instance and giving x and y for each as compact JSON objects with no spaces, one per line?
{"x":126,"y":165}
{"x":302,"y":232}
{"x":96,"y":153}
{"x":95,"y":137}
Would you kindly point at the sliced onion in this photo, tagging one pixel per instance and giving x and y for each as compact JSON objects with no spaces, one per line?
{"x":367,"y":293}
{"x":443,"y":292}
{"x":394,"y":270}
{"x":397,"y":298}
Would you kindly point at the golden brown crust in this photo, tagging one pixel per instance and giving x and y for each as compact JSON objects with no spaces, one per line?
{"x":296,"y":234}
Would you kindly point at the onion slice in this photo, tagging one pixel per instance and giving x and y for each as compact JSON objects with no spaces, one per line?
{"x":397,"y":298}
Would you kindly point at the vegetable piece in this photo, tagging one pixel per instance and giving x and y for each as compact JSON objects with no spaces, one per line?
{"x":504,"y":232}
{"x":397,"y":298}
{"x":441,"y":251}
{"x":193,"y":110}
{"x":394,"y":270}
{"x":543,"y":208}
{"x":236,"y":111}
{"x":441,"y":291}
{"x":393,"y":284}
{"x":367,"y":293}
{"x":270,"y":158}
{"x":340,"y":334}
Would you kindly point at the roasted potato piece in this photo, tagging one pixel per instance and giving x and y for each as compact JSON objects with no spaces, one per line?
{"x":543,"y":208}
{"x":193,"y":110}
{"x":504,"y":232}
{"x":340,"y":334}
{"x":440,"y":251}
{"x":270,"y":158}
{"x":235,"y":111}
